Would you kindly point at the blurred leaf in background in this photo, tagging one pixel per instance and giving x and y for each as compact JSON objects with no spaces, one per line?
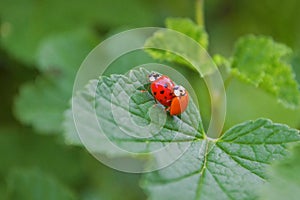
{"x":263,"y":63}
{"x":34,"y":185}
{"x":41,"y":103}
{"x":11,"y":77}
{"x":165,"y":40}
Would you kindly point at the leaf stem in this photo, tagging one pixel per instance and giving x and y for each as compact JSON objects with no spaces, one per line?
{"x":199,"y":12}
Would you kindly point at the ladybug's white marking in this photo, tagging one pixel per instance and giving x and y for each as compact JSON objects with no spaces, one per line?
{"x":179,"y":90}
{"x":154,"y":76}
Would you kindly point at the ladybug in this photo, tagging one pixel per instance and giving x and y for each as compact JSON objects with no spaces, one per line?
{"x":175,"y":97}
{"x":162,"y":88}
{"x":180,"y":101}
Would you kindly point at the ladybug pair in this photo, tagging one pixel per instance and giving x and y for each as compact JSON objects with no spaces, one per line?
{"x":175,"y":97}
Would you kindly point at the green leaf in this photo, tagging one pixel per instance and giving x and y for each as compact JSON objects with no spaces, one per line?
{"x":64,"y":53}
{"x":163,"y":40}
{"x":185,"y":128}
{"x":26,"y":24}
{"x":36,"y":185}
{"x":232,"y":167}
{"x":263,"y":63}
{"x":285,"y":178}
{"x":41,"y":103}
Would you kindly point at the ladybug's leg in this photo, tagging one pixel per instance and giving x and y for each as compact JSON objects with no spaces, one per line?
{"x":156,"y":102}
{"x":145,"y":88}
{"x":167,"y":108}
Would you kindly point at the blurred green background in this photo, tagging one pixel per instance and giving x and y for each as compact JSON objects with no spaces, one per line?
{"x":42,"y":45}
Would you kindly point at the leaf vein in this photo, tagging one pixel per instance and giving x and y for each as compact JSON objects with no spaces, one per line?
{"x":220,"y":185}
{"x":239,"y":163}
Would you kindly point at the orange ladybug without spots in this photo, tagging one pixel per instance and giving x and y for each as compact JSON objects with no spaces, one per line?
{"x":180,"y":100}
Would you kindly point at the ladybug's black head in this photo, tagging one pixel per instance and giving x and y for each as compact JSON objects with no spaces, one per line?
{"x":154,"y":76}
{"x":179,"y":90}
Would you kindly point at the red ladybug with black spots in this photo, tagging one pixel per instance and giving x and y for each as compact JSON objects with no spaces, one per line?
{"x":162,"y":88}
{"x":175,"y":97}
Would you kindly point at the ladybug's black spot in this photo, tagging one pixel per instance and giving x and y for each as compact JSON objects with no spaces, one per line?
{"x":154,"y":93}
{"x":171,"y":94}
{"x":165,"y":85}
{"x":162,"y":92}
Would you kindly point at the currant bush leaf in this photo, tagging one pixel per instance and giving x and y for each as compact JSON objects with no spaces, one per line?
{"x":34,"y":185}
{"x":164,"y":40}
{"x":232,"y":167}
{"x":120,"y":86}
{"x":264,"y":63}
{"x":284,"y":178}
{"x":41,"y":103}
